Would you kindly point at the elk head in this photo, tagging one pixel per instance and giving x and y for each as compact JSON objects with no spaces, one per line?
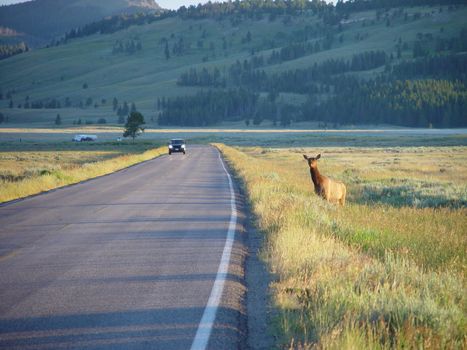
{"x":312,"y":161}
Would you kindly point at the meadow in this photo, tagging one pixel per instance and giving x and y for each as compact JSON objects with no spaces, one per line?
{"x":385,"y":271}
{"x":28,"y":168}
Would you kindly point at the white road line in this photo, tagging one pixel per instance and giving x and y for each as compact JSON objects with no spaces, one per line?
{"x":209,"y":316}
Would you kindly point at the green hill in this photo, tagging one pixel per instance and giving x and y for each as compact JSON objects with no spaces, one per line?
{"x":38,"y":22}
{"x":278,"y":66}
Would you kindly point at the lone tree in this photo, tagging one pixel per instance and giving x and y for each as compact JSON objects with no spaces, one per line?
{"x":58,"y":120}
{"x":133,"y":125}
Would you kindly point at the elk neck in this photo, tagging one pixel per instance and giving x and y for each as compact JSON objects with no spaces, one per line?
{"x":316,"y":177}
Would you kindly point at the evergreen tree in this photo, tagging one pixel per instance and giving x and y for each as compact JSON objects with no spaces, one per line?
{"x":167,"y":50}
{"x":115,"y":104}
{"x":58,"y":120}
{"x":133,"y":125}
{"x":125,"y":109}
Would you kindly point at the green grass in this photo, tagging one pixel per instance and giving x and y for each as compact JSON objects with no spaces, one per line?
{"x":300,"y":135}
{"x":60,"y":72}
{"x":29,"y":168}
{"x":371,"y":274}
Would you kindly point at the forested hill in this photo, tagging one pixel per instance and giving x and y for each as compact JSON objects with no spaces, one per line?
{"x":39,"y":21}
{"x":254,"y":62}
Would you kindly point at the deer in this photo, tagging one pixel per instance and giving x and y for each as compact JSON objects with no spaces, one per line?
{"x":329,"y":190}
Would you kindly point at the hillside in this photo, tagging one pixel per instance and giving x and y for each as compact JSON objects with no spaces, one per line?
{"x":404,"y":66}
{"x":37,"y":22}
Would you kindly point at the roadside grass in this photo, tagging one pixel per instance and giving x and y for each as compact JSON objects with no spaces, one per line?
{"x":372,"y":274}
{"x":31,"y":168}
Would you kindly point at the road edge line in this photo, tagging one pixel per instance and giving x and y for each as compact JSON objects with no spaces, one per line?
{"x":206,"y":324}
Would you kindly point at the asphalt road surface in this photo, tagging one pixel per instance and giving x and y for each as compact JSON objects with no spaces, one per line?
{"x":126,"y":261}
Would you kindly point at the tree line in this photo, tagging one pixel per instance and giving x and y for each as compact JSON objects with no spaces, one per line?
{"x":11,"y":50}
{"x":396,"y":96}
{"x":303,"y":80}
{"x":451,"y":67}
{"x":208,"y":107}
{"x":413,"y":103}
{"x":364,"y":5}
{"x":129,"y":46}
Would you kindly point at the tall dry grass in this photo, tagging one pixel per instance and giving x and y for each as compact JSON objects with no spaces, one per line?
{"x":30,"y":172}
{"x":370,"y":275}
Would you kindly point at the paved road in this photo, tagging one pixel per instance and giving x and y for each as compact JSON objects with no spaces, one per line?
{"x":126,"y":261}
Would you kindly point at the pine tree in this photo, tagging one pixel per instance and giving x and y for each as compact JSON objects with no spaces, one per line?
{"x":58,"y":120}
{"x":167,"y":50}
{"x":125,"y":109}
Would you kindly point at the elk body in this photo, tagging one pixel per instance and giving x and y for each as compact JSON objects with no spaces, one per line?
{"x":330,"y":190}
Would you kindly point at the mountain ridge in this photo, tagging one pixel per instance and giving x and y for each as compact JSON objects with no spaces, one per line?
{"x":37,"y":22}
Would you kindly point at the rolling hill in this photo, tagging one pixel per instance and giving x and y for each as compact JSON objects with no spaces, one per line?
{"x":37,"y":22}
{"x":281,"y":66}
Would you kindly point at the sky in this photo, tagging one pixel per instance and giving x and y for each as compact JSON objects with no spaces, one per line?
{"x":168,"y":4}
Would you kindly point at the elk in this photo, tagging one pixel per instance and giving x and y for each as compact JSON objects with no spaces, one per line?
{"x":330,"y":190}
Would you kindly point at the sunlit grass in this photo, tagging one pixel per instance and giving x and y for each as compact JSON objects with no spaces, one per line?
{"x":35,"y":168}
{"x":371,"y":274}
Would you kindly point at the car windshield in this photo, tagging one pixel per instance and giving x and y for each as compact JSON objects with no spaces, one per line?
{"x":177,"y":142}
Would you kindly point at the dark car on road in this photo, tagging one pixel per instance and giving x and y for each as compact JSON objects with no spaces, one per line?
{"x":177,"y":145}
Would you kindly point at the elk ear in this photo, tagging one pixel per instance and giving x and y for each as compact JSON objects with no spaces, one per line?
{"x":305,"y":156}
{"x":318,"y":156}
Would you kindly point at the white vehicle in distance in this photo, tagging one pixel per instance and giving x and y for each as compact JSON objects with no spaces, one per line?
{"x":177,"y":145}
{"x":82,"y":138}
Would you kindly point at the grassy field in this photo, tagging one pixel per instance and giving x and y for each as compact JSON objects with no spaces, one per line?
{"x":388,"y":269}
{"x":29,"y":168}
{"x":300,"y":134}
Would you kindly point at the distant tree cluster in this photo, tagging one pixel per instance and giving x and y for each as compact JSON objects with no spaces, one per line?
{"x":11,"y":50}
{"x":299,"y":80}
{"x":415,"y":103}
{"x":406,"y":101}
{"x":123,"y":110}
{"x":455,"y":44}
{"x":180,"y":47}
{"x":218,"y":10}
{"x":208,"y":107}
{"x":297,"y":50}
{"x":115,"y":23}
{"x":453,"y":67}
{"x":49,"y":104}
{"x":129,"y":46}
{"x":203,"y":77}
{"x":252,"y":8}
{"x":364,"y":5}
